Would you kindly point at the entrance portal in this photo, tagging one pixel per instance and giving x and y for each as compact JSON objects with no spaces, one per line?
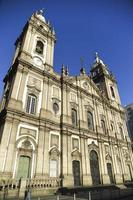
{"x":94,"y":167}
{"x":129,"y":172}
{"x":109,"y":169}
{"x":23,"y":167}
{"x":76,"y":172}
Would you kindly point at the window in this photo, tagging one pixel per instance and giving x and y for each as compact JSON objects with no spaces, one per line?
{"x":31,"y":104}
{"x":55,"y":108}
{"x":112,"y":126}
{"x":54,"y":140}
{"x":74,"y":117}
{"x":112,"y":91}
{"x":39,"y":47}
{"x":53,"y":168}
{"x":90,"y":120}
{"x":75,"y":143}
{"x":121,"y":132}
{"x":103,"y":126}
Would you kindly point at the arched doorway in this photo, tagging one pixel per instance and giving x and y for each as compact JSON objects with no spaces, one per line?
{"x":109,"y":170}
{"x":24,"y":167}
{"x":129,"y":172}
{"x":94,"y":167}
{"x":76,"y":172}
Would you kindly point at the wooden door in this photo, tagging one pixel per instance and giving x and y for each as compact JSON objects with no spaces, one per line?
{"x":23,"y":167}
{"x":76,"y":172}
{"x":94,"y":167}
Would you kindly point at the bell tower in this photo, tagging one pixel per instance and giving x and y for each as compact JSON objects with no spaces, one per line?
{"x":34,"y":52}
{"x":105,"y":80}
{"x":35,"y":45}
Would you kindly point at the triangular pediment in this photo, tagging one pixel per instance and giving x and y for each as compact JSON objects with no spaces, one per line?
{"x":86,"y":84}
{"x":76,"y":153}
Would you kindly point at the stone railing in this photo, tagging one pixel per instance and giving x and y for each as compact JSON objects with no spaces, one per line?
{"x":9,"y":184}
{"x":43,"y":183}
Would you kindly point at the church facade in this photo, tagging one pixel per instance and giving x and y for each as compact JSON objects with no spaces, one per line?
{"x":57,"y":125}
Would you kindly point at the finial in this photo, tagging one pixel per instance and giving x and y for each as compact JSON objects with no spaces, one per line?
{"x":41,"y":11}
{"x":67,"y":71}
{"x":81,"y":61}
{"x":97,"y":57}
{"x":82,"y":71}
{"x":63,"y":71}
{"x":53,"y":31}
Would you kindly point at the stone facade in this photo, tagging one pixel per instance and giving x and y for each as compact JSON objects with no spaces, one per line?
{"x":59,"y":125}
{"x":129,"y":120}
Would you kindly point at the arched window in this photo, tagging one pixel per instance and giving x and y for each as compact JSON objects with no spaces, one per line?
{"x":55,"y":108}
{"x":31,"y":104}
{"x":112,"y":127}
{"x":112,"y":91}
{"x":39,"y":47}
{"x":121,"y":132}
{"x":90,"y":120}
{"x":103,"y":126}
{"x":74,"y":117}
{"x":94,"y":167}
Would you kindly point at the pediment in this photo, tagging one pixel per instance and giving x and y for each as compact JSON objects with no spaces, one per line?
{"x":76,"y":153}
{"x":86,"y":84}
{"x":54,"y":151}
{"x":108,"y":157}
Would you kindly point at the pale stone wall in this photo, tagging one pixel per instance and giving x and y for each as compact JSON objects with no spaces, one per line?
{"x":26,"y":134}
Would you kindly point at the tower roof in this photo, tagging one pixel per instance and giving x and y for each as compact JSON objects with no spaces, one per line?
{"x":39,"y":14}
{"x":97,"y":61}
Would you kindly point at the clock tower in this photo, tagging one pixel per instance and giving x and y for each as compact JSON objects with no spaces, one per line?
{"x":35,"y":45}
{"x":34,"y":53}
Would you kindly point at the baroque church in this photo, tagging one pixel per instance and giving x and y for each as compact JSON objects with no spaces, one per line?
{"x":57,"y":126}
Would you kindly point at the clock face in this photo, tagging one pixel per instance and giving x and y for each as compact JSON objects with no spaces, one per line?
{"x":38,"y":61}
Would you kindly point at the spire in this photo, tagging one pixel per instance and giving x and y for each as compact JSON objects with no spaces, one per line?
{"x":64,"y":70}
{"x":98,"y":60}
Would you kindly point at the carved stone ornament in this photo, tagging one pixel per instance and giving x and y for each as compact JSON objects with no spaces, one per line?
{"x":76,"y":154}
{"x":74,"y":105}
{"x":85,"y":85}
{"x":34,"y":83}
{"x":54,"y":153}
{"x":89,"y":107}
{"x":108,"y":157}
{"x":26,"y":144}
{"x":93,"y":146}
{"x":126,"y":156}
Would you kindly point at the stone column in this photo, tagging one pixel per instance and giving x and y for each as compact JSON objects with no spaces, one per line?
{"x":114,"y":164}
{"x":85,"y":162}
{"x":65,"y":161}
{"x":104,"y":177}
{"x":88,"y":170}
{"x":70,"y":181}
{"x":16,"y":82}
{"x":22,"y":85}
{"x":39,"y":165}
{"x":4,"y":144}
{"x":10,"y":159}
{"x":46,"y":153}
{"x":44,"y":97}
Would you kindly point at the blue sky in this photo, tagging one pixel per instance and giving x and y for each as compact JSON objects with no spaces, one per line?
{"x":82,"y":27}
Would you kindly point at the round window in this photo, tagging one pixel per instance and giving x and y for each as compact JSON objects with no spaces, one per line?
{"x":55,"y":108}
